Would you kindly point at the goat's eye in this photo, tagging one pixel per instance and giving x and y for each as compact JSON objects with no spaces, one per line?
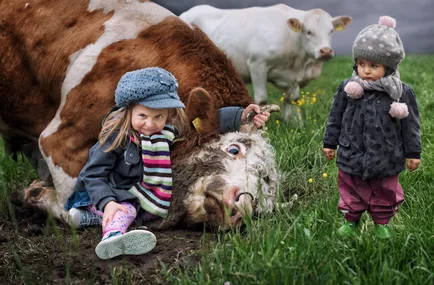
{"x":234,"y":149}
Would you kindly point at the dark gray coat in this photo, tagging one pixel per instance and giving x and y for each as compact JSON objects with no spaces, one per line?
{"x":107,"y":176}
{"x":371,"y":142}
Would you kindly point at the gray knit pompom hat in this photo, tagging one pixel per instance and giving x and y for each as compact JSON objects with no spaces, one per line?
{"x":152,"y":87}
{"x":380,"y":43}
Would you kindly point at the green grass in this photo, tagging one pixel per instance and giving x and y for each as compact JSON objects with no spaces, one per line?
{"x":13,"y":175}
{"x":298,"y":245}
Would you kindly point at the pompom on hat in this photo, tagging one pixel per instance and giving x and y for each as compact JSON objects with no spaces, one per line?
{"x":152,"y":87}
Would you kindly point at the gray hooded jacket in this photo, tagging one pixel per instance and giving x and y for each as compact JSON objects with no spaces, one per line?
{"x":372,"y":144}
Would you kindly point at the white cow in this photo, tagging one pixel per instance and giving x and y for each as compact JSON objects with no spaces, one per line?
{"x":279,"y":44}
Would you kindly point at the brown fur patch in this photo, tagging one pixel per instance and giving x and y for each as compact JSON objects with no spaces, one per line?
{"x":36,"y":42}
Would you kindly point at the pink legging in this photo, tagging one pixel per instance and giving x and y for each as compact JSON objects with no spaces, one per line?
{"x":380,"y":196}
{"x":121,"y":221}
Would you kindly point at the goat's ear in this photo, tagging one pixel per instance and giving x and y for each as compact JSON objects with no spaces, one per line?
{"x":201,"y":111}
{"x":247,"y":125}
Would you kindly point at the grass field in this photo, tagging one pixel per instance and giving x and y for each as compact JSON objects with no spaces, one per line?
{"x":297,"y":244}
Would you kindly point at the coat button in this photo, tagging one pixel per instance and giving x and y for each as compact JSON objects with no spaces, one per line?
{"x":378,"y":101}
{"x":131,"y":155}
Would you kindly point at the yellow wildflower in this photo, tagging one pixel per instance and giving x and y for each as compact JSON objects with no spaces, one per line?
{"x":324,"y":175}
{"x":277,"y":122}
{"x":310,"y":180}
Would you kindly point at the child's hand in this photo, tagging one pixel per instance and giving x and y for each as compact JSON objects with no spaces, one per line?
{"x":260,"y":119}
{"x":329,"y":153}
{"x":110,"y":210}
{"x":412,"y":164}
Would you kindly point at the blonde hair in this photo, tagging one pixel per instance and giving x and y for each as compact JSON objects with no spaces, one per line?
{"x":120,"y":121}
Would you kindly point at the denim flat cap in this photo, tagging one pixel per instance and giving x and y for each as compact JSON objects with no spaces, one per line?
{"x":152,"y":87}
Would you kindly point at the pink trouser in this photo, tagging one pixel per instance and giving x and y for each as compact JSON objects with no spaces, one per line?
{"x":121,"y":221}
{"x":379,"y":196}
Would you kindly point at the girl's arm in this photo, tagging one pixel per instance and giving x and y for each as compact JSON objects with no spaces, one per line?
{"x":230,"y":117}
{"x":411,"y":125}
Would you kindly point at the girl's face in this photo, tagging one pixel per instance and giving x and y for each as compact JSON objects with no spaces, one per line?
{"x":369,"y":70}
{"x":148,"y":121}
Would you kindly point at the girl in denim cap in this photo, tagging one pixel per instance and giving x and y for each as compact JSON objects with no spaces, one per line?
{"x":128,"y":176}
{"x":375,"y":121}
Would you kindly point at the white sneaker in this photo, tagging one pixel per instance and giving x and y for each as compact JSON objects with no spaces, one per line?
{"x":73,"y":217}
{"x":135,"y":242}
{"x":80,"y":218}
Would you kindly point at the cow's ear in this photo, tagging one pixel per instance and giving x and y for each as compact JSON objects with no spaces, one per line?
{"x":201,"y":111}
{"x":295,"y":25}
{"x":341,"y":22}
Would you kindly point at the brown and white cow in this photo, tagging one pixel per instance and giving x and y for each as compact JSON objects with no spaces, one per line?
{"x":59,"y":66}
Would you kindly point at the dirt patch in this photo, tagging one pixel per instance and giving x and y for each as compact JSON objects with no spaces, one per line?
{"x":36,"y":249}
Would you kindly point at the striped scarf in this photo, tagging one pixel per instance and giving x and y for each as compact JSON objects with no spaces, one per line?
{"x":155,"y":191}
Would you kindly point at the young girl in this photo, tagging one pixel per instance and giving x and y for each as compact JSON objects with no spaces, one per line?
{"x":121,"y":184}
{"x":375,"y":121}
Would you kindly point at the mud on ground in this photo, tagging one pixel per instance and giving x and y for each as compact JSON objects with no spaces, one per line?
{"x":37,"y":249}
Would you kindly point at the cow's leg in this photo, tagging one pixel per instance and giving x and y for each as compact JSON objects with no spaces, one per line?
{"x":33,"y":154}
{"x":258,"y":74}
{"x":290,"y":110}
{"x":59,"y":153}
{"x":42,"y":195}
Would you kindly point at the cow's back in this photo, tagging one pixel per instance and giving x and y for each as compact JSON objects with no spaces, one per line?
{"x":246,"y":33}
{"x":35,"y":44}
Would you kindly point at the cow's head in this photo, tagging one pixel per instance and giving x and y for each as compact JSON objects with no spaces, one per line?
{"x":220,"y":181}
{"x":316,"y":29}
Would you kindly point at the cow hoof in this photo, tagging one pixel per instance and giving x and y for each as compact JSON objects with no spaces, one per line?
{"x":36,"y":191}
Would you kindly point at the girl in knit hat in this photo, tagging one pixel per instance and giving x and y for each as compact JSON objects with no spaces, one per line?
{"x":128,"y":175}
{"x":375,"y":121}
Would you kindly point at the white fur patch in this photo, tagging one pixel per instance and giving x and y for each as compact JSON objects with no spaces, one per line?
{"x":63,"y":183}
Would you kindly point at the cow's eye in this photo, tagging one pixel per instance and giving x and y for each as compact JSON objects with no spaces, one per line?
{"x":234,"y":149}
{"x":309,"y":33}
